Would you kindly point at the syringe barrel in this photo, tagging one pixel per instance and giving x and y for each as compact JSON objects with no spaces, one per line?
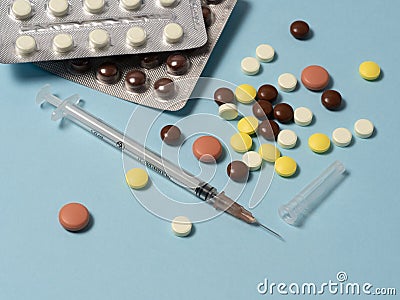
{"x":312,"y":195}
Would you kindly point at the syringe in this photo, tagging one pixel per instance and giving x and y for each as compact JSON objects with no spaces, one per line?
{"x":70,"y":110}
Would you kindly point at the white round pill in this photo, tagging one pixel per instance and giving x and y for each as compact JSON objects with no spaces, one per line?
{"x":25,"y":45}
{"x":253,"y":160}
{"x":228,"y":111}
{"x":265,"y":53}
{"x":167,"y":3}
{"x":303,"y":116}
{"x":21,"y":9}
{"x":173,"y":33}
{"x":287,"y":138}
{"x":99,"y":38}
{"x":287,"y":82}
{"x":136,"y":36}
{"x":342,"y":137}
{"x":364,"y":128}
{"x":94,"y":6}
{"x":58,"y":8}
{"x":131,"y":4}
{"x":181,"y":226}
{"x":63,"y":42}
{"x":250,"y":66}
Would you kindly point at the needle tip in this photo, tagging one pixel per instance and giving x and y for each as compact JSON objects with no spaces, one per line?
{"x":269,"y":230}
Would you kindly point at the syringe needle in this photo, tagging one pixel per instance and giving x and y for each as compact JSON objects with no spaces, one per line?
{"x":269,"y":230}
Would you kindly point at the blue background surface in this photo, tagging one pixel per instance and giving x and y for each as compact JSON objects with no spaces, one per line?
{"x":128,"y":253}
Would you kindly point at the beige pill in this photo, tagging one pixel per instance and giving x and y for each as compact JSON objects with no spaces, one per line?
{"x":99,"y":38}
{"x":25,"y":45}
{"x":21,"y":9}
{"x":131,"y":4}
{"x":63,"y":42}
{"x":94,"y":6}
{"x":136,"y":36}
{"x":181,"y":226}
{"x":58,"y":8}
{"x":173,"y":33}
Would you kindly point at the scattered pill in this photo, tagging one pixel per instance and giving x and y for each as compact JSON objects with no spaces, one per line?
{"x":135,"y":81}
{"x":303,"y":116}
{"x":285,"y":166}
{"x":177,"y":64}
{"x":136,"y":178}
{"x":364,"y":128}
{"x":287,"y":82}
{"x":267,"y":92}
{"x":319,"y":142}
{"x":164,"y":88}
{"x":74,"y":216}
{"x":63,"y":42}
{"x":58,"y":8}
{"x":136,"y":36}
{"x":94,"y":6}
{"x":228,"y":111}
{"x":25,"y":45}
{"x":369,"y":70}
{"x":224,"y":95}
{"x":250,"y":66}
{"x":241,"y":142}
{"x":108,"y":73}
{"x":173,"y":33}
{"x":300,"y":29}
{"x":207,"y":15}
{"x":248,"y":125}
{"x":207,"y":149}
{"x":331,"y":99}
{"x":269,"y":152}
{"x":269,"y":129}
{"x":131,"y":4}
{"x":21,"y":9}
{"x":342,"y":137}
{"x":315,"y":78}
{"x":283,"y":112}
{"x":170,"y":134}
{"x":167,"y":3}
{"x":181,"y":226}
{"x":99,"y":38}
{"x":265,"y":53}
{"x":238,"y":171}
{"x":245,"y":93}
{"x":253,"y":160}
{"x":287,"y":138}
{"x":263,"y":109}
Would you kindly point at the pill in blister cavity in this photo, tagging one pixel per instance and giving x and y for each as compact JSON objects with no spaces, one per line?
{"x":99,"y":38}
{"x":164,"y":88}
{"x":21,"y":9}
{"x":25,"y":45}
{"x":78,"y":66}
{"x":135,"y":81}
{"x":150,"y":61}
{"x":108,"y":73}
{"x":173,"y":33}
{"x":167,"y":3}
{"x":207,"y":15}
{"x":136,"y":36}
{"x":58,"y":8}
{"x":177,"y":64}
{"x":94,"y":6}
{"x":63,"y":42}
{"x":131,"y":4}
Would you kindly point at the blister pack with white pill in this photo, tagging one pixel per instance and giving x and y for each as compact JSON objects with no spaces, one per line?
{"x":160,"y":80}
{"x":43,"y":30}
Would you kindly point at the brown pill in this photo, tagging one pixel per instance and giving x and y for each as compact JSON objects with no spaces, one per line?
{"x":224,"y":95}
{"x":214,"y":1}
{"x":299,"y":29}
{"x":74,"y":216}
{"x":170,"y":134}
{"x":269,"y":129}
{"x":78,"y":66}
{"x":263,"y":110}
{"x":164,"y":88}
{"x":207,"y":15}
{"x":283,"y":112}
{"x":267,"y":92}
{"x":238,"y":171}
{"x":135,"y":81}
{"x":150,"y":61}
{"x":207,"y":149}
{"x":177,"y":64}
{"x":331,"y":99}
{"x":108,"y":73}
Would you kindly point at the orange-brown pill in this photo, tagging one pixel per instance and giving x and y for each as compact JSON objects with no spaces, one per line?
{"x":207,"y":149}
{"x":74,"y":216}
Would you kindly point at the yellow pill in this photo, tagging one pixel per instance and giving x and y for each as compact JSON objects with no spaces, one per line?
{"x":245,"y":93}
{"x":319,"y":142}
{"x":241,"y":142}
{"x":269,"y":152}
{"x":285,"y":166}
{"x":136,"y":178}
{"x":369,"y":70}
{"x":248,"y":125}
